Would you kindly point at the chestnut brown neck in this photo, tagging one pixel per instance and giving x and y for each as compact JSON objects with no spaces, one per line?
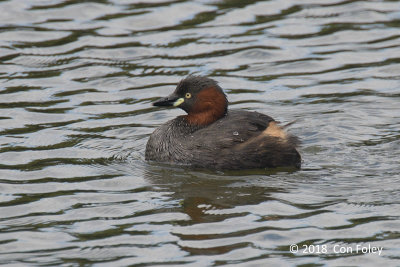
{"x":210,"y":105}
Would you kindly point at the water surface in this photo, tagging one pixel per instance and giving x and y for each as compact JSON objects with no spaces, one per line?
{"x":77,"y":81}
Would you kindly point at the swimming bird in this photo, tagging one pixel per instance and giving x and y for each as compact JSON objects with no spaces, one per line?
{"x":211,"y":136}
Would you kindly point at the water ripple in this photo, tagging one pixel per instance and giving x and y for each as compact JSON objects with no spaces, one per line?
{"x":77,"y":80}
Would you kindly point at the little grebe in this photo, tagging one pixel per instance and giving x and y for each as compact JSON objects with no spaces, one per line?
{"x":211,"y":136}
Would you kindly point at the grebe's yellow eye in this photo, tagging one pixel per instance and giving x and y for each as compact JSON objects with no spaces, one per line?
{"x":188,"y":95}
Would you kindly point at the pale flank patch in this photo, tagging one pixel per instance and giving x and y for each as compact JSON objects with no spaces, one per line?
{"x":275,"y":130}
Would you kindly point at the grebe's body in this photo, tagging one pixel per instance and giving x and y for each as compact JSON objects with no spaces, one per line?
{"x":213,"y":137}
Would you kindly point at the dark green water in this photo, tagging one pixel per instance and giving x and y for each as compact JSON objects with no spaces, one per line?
{"x":77,"y":79}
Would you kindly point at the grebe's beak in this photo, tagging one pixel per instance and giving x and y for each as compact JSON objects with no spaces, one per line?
{"x":169,"y":101}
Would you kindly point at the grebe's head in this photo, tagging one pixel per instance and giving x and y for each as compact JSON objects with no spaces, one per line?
{"x":200,"y":97}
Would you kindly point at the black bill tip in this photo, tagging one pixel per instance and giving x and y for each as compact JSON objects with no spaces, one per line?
{"x":165,"y":101}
